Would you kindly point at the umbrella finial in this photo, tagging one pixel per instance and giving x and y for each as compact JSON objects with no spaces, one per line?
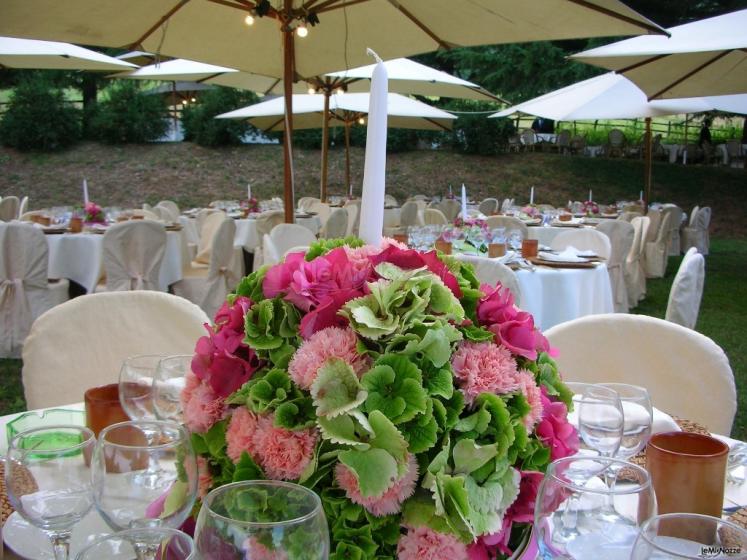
{"x":372,"y":53}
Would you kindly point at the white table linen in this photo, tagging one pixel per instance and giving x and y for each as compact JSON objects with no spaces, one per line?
{"x":79,"y":256}
{"x":246,"y":230}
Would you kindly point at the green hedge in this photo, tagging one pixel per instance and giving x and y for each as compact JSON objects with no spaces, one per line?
{"x":129,"y":115}
{"x":201,"y":126}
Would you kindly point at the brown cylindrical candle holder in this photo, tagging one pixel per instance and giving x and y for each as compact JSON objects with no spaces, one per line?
{"x":76,"y":225}
{"x":401,"y":237}
{"x":443,"y":246}
{"x":103,"y":407}
{"x":496,"y":250}
{"x":565,"y":217}
{"x":529,"y":248}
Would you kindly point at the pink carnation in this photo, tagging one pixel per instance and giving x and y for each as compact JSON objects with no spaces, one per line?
{"x":423,"y":543}
{"x":255,"y":550}
{"x":202,"y":407}
{"x":555,"y":431}
{"x":362,"y":255}
{"x":390,"y":501}
{"x":533,"y":395}
{"x":332,"y":342}
{"x":204,"y":480}
{"x":282,"y":454}
{"x":484,"y":367}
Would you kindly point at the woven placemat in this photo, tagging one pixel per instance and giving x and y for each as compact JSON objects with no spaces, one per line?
{"x":739,"y":517}
{"x":26,"y":482}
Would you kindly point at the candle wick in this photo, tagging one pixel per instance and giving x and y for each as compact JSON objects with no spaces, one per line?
{"x":372,"y":53}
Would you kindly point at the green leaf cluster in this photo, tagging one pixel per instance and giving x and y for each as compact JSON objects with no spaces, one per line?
{"x":271,"y":328}
{"x":212,"y":445}
{"x":324,"y":246}
{"x":545,"y":371}
{"x":251,"y":286}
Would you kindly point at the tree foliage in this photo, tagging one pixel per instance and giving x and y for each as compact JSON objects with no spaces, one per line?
{"x":129,"y":115}
{"x":201,"y":126}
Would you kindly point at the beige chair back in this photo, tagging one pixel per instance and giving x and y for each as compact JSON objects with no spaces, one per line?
{"x":634,"y":271}
{"x":336,"y":225}
{"x":353,"y":209}
{"x":450,"y":207}
{"x":693,"y":214}
{"x":209,"y":226}
{"x":222,"y":275}
{"x":621,"y":235}
{"x":489,"y":206}
{"x":133,"y":252}
{"x":657,"y":251}
{"x":687,"y":290}
{"x":389,"y":200}
{"x":9,"y":208}
{"x":408,"y":214}
{"x":24,"y":206}
{"x":305,"y":202}
{"x":172,"y":206}
{"x":508,"y":222}
{"x":434,"y":216}
{"x":68,"y":351}
{"x":267,"y":221}
{"x":169,"y":213}
{"x":584,"y":239}
{"x":322,"y":210}
{"x":655,"y":217}
{"x":287,"y":236}
{"x":674,"y":225}
{"x":202,"y":215}
{"x":675,"y":364}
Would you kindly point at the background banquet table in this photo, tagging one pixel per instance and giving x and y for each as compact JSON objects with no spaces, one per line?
{"x":79,"y":257}
{"x":557,"y":295}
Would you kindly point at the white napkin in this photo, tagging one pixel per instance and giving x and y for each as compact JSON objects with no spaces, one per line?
{"x":662,"y":422}
{"x":569,"y":254}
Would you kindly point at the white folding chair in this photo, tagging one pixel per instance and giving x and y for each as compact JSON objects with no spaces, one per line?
{"x":634,"y":271}
{"x":132,"y":255}
{"x":687,"y":290}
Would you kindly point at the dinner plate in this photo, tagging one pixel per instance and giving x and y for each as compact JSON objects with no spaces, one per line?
{"x":30,"y":542}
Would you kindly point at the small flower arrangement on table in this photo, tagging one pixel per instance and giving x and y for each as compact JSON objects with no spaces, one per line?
{"x":250,"y":206}
{"x":421,"y":406}
{"x":590,"y":208}
{"x":93,"y":214}
{"x":531,"y":211}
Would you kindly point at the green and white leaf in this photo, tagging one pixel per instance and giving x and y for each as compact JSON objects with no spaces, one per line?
{"x":336,"y":389}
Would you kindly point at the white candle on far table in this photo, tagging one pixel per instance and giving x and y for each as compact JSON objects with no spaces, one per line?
{"x":640,"y":196}
{"x":590,"y":198}
{"x":85,"y":191}
{"x":531,"y":196}
{"x":248,"y":191}
{"x":464,"y":202}
{"x":374,"y":171}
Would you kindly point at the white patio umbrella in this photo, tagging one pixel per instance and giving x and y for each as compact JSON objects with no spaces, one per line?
{"x":51,"y":55}
{"x":706,"y":57}
{"x":244,"y":34}
{"x":344,"y":110}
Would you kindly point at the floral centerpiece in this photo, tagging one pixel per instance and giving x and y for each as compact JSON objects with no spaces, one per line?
{"x":422,"y":407}
{"x":530,"y":211}
{"x":93,"y":214}
{"x":590,"y":208}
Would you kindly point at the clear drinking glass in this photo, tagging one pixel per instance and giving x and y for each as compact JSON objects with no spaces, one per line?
{"x":639,"y":415}
{"x":262,"y":519}
{"x":514,"y":239}
{"x":168,"y":384}
{"x":172,"y":545}
{"x":144,"y":476}
{"x":601,"y":419}
{"x":568,"y":515}
{"x":689,"y":535}
{"x":48,"y":480}
{"x":136,"y":386}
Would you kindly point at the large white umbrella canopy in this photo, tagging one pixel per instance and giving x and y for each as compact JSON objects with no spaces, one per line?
{"x":609,"y":96}
{"x":728,"y":103}
{"x":706,"y":57}
{"x":51,"y":55}
{"x":216,"y":31}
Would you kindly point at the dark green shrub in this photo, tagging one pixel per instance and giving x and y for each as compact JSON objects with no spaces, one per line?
{"x":38,"y":117}
{"x":477,"y":134}
{"x":129,"y":115}
{"x":397,"y":139}
{"x":201,"y":126}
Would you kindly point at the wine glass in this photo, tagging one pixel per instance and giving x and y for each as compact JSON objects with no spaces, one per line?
{"x":136,"y":386}
{"x":144,"y":475}
{"x":568,"y":516}
{"x":168,"y":383}
{"x":689,"y":535}
{"x":172,"y":545}
{"x":262,"y":519}
{"x":48,"y":480}
{"x":601,"y":419}
{"x":514,"y":239}
{"x":638,"y":412}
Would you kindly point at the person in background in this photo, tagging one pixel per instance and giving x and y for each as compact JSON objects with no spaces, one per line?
{"x":705,"y":133}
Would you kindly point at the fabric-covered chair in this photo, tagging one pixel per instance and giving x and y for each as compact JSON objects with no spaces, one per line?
{"x":615,"y":146}
{"x":322,"y":211}
{"x":305,"y":202}
{"x":168,"y":211}
{"x":352,"y":207}
{"x":172,"y":206}
{"x":389,"y":200}
{"x":201,"y":216}
{"x":655,"y":217}
{"x":676,"y":365}
{"x":266,"y":221}
{"x":450,"y":207}
{"x":434,"y":216}
{"x":284,"y":237}
{"x":133,"y":254}
{"x":92,"y":335}
{"x":336,"y":226}
{"x":23,"y":206}
{"x":489,"y":271}
{"x":508,"y":222}
{"x":687,"y":290}
{"x":621,"y":235}
{"x":585,"y":240}
{"x":657,"y":251}
{"x":408,"y":215}
{"x":634,"y":271}
{"x":208,"y":287}
{"x":489,"y":206}
{"x":9,"y":208}
{"x":675,"y":224}
{"x":209,"y":227}
{"x":696,"y":234}
{"x":25,"y":292}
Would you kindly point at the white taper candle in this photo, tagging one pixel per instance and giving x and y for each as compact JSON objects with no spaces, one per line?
{"x":464,"y":202}
{"x":85,"y":191}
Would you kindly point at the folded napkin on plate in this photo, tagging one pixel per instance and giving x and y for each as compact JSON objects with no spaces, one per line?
{"x":569,"y":254}
{"x":662,"y":422}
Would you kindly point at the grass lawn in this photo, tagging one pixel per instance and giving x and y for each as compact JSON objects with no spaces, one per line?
{"x":723,"y":317}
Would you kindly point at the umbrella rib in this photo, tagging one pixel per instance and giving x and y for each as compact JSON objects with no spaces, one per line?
{"x":165,"y":17}
{"x":438,"y":124}
{"x":621,"y":17}
{"x":641,"y":63}
{"x":210,"y":77}
{"x":420,"y":24}
{"x":273,"y":125}
{"x":689,"y":74}
{"x":273,"y":86}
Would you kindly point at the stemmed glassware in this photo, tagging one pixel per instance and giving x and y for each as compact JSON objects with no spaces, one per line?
{"x":638,"y":412}
{"x":48,"y":480}
{"x":601,"y":419}
{"x":168,"y":383}
{"x":136,"y":386}
{"x":568,"y":517}
{"x":262,"y":519}
{"x":172,"y":545}
{"x":514,"y":239}
{"x":144,"y":476}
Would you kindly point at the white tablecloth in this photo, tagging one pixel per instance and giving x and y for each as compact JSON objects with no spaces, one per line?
{"x":79,"y":257}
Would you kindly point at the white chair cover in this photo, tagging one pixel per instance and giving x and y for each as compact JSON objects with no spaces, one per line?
{"x":621,"y":235}
{"x":305,"y":202}
{"x":450,"y":207}
{"x":692,"y":215}
{"x":492,"y":272}
{"x":489,"y":206}
{"x":24,"y":291}
{"x":686,"y":373}
{"x":23,"y":207}
{"x":166,"y":212}
{"x":687,"y":290}
{"x":507,"y":204}
{"x":389,"y":200}
{"x":634,"y":272}
{"x":675,"y":224}
{"x":336,"y":226}
{"x":146,"y":214}
{"x":9,"y":208}
{"x":352,"y":208}
{"x":172,"y":206}
{"x":132,"y":255}
{"x":434,"y":216}
{"x":322,"y":210}
{"x":696,"y":234}
{"x":655,"y":217}
{"x":210,"y":225}
{"x":286,"y":236}
{"x":408,"y":215}
{"x":508,"y":222}
{"x":628,"y":216}
{"x":657,"y":251}
{"x":201,"y":216}
{"x":265,"y":222}
{"x":83,"y":342}
{"x":584,"y":239}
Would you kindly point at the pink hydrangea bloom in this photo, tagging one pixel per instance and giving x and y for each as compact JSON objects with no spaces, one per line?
{"x":484,"y":367}
{"x":555,"y":431}
{"x":409,"y":259}
{"x":255,"y":550}
{"x":389,"y":502}
{"x":423,"y":543}
{"x":282,"y":454}
{"x":201,"y":406}
{"x":332,"y":342}
{"x":204,"y":480}
{"x":496,"y":306}
{"x":533,"y":395}
{"x":361,"y":256}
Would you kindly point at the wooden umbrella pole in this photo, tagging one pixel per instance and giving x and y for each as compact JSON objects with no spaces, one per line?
{"x":288,"y":71}
{"x":325,"y":143}
{"x":647,"y":162}
{"x":347,"y":156}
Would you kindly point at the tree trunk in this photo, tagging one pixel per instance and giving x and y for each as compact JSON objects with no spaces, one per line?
{"x":89,"y":88}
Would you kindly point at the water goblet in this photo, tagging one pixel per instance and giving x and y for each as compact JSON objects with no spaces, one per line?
{"x":136,"y":386}
{"x":638,"y":413}
{"x":48,"y":480}
{"x":514,"y":239}
{"x":168,"y":384}
{"x":172,"y":545}
{"x":601,"y":419}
